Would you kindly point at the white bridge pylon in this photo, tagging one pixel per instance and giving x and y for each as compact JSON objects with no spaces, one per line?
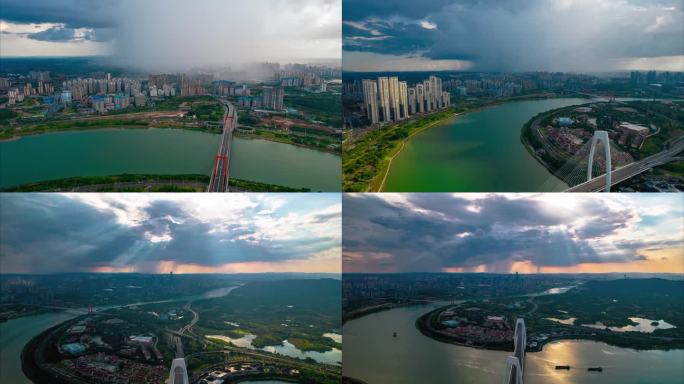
{"x":603,"y":137}
{"x":515,"y":364}
{"x":178,"y":373}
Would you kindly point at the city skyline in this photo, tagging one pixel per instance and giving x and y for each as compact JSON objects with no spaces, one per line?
{"x":174,"y":35}
{"x":159,"y":233}
{"x":569,"y":36}
{"x":504,"y":233}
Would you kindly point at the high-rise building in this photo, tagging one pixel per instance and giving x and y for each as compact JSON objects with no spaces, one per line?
{"x":435,"y":92}
{"x":412,"y":100}
{"x":394,"y":98}
{"x":384,"y":99}
{"x":427,"y":94}
{"x":420,"y":98}
{"x":65,"y":97}
{"x":391,"y":100}
{"x":272,"y":97}
{"x":403,"y":100}
{"x":446,"y":99}
{"x":370,"y":100}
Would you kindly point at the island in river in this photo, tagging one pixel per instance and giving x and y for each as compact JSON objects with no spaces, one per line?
{"x":140,"y":339}
{"x":401,"y":353}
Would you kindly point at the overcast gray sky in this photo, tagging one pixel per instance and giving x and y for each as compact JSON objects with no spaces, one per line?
{"x":174,"y":33}
{"x":513,"y":35}
{"x":551,"y":232}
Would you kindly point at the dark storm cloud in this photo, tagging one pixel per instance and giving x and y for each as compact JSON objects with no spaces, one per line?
{"x":356,"y":10}
{"x":52,"y":234}
{"x":577,"y":35}
{"x":174,"y":35}
{"x":59,"y":34}
{"x":432,"y":232}
{"x":72,"y":13}
{"x":396,"y":37}
{"x":55,"y":233}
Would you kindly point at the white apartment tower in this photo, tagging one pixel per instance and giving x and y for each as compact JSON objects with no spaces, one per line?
{"x":394,"y":97}
{"x":420,"y":98}
{"x":403,"y":100}
{"x":384,"y":99}
{"x":412,"y":100}
{"x":370,"y":100}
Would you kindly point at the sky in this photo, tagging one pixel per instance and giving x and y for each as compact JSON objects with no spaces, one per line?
{"x":513,"y":35}
{"x":504,"y":233}
{"x":162,"y":233}
{"x":173,"y":34}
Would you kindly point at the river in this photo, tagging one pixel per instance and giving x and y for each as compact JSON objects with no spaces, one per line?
{"x":479,"y":151}
{"x":15,"y":333}
{"x":371,"y":354}
{"x":162,"y":151}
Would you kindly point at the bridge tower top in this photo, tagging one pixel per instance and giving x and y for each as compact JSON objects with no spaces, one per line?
{"x":514,"y":372}
{"x":601,"y":136}
{"x":178,"y":373}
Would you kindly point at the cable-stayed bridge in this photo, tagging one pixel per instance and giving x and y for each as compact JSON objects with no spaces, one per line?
{"x":591,"y":169}
{"x":515,"y":364}
{"x":221,"y":173}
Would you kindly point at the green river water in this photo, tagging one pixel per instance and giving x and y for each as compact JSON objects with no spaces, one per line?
{"x":161,"y":151}
{"x":479,"y":151}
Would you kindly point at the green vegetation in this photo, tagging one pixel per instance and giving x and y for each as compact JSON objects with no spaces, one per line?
{"x":64,"y":125}
{"x":7,"y":114}
{"x":609,"y":302}
{"x":246,"y":119}
{"x":613,"y":302}
{"x":299,"y":311}
{"x":365,"y":160}
{"x":207,"y":111}
{"x":324,"y":107}
{"x":254,"y":186}
{"x":317,"y":142}
{"x":108,"y":182}
{"x":173,"y":103}
{"x":144,"y":183}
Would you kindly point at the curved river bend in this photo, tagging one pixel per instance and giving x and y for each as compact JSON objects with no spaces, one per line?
{"x":479,"y":151}
{"x":371,"y":354}
{"x":15,"y":333}
{"x":161,"y":151}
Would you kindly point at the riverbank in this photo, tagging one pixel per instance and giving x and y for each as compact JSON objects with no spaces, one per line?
{"x":114,"y":125}
{"x":374,"y":309}
{"x":529,"y":133}
{"x":365,"y":161}
{"x":368,"y":156}
{"x":275,"y":139}
{"x":425,"y":323}
{"x":403,"y":142}
{"x":144,"y":182}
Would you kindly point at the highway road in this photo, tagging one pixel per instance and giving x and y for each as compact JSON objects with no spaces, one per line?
{"x":221,"y":173}
{"x":628,"y":171}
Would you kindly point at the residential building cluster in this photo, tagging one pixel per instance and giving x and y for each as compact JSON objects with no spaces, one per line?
{"x":239,"y":371}
{"x":264,"y":97}
{"x":102,"y":367}
{"x":654,"y":77}
{"x":388,"y":100}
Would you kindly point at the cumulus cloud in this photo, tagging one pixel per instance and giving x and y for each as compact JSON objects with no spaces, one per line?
{"x":530,"y":35}
{"x":87,"y":232}
{"x":441,"y":232}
